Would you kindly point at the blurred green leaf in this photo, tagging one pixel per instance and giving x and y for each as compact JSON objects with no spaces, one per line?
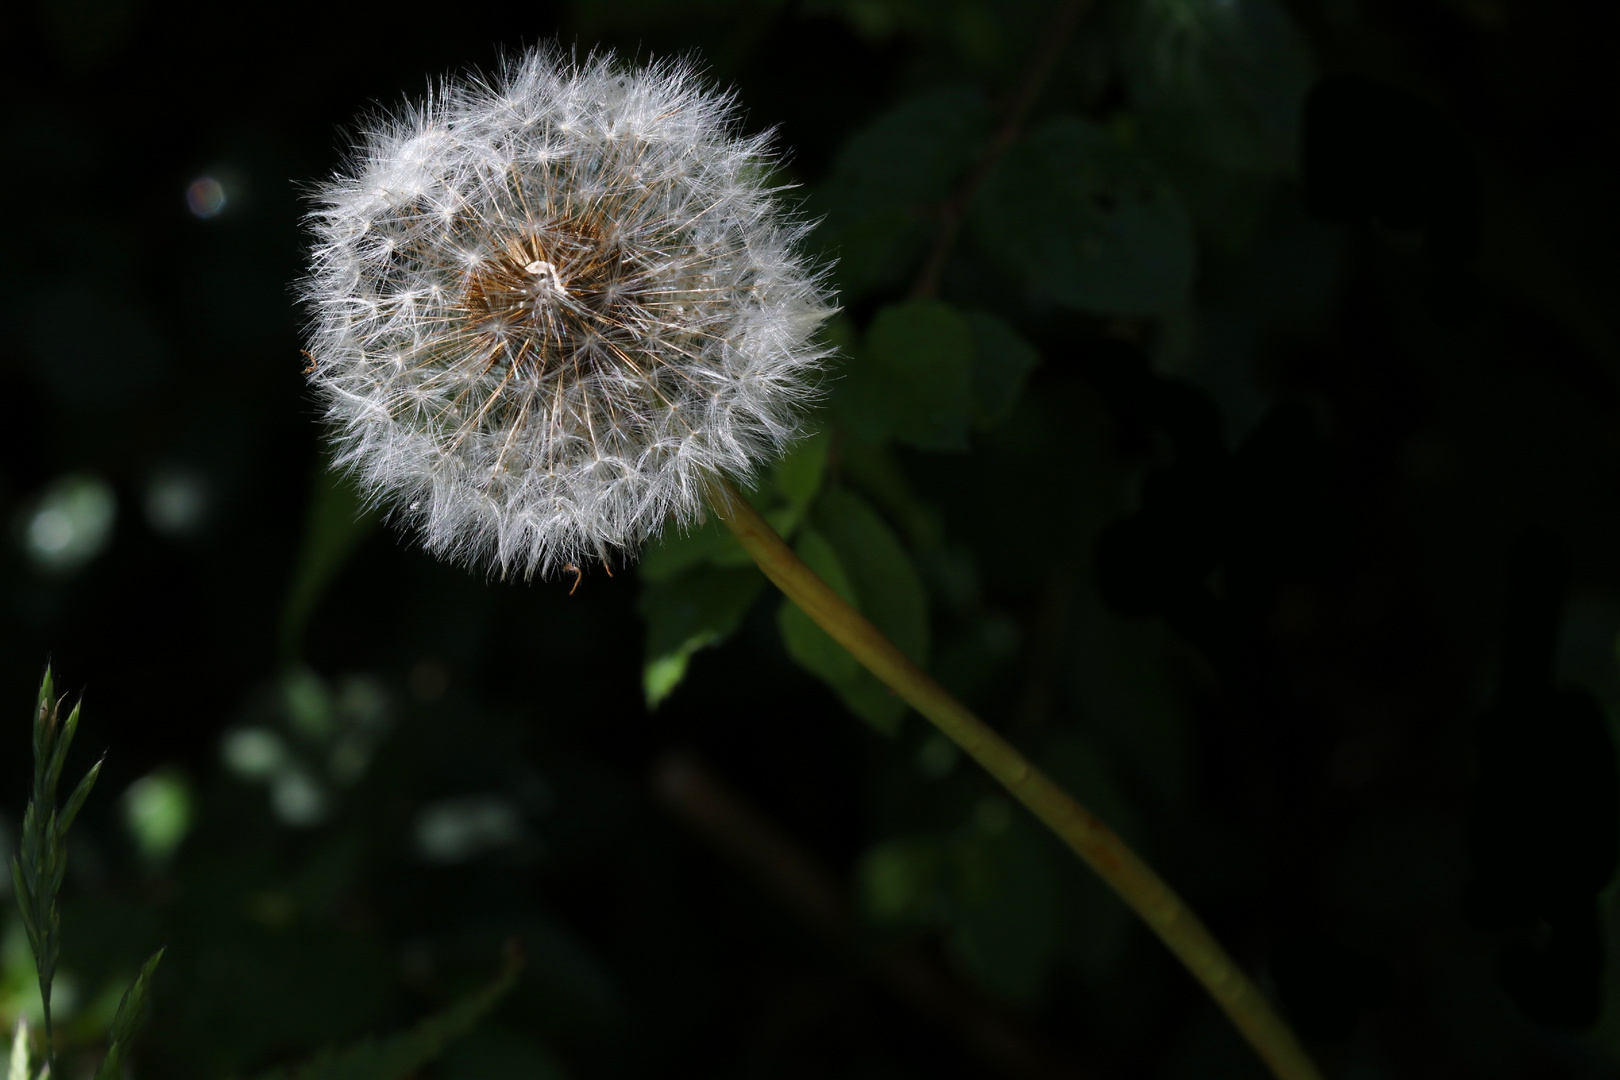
{"x":879,"y":200}
{"x":1005,"y":920}
{"x":1002,"y":360}
{"x":699,"y":584}
{"x":1077,"y":212}
{"x":979,"y":652}
{"x":795,"y":478}
{"x":913,"y":380}
{"x":127,"y":1021}
{"x":337,"y":521}
{"x":1220,"y":81}
{"x":902,"y":883}
{"x":676,"y":551}
{"x":266,"y":974}
{"x":808,"y":644}
{"x":690,"y":612}
{"x":891,"y":594}
{"x":75,"y":802}
{"x":798,"y":475}
{"x":397,"y":1057}
{"x":992,"y":889}
{"x":868,"y":698}
{"x":977,"y":32}
{"x":1122,"y":674}
{"x":492,"y":1053}
{"x":856,"y":553}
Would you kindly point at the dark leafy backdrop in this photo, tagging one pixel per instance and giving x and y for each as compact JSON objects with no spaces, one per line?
{"x":1227,"y":411}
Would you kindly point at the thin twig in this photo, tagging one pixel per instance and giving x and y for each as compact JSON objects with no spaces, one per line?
{"x":1104,"y":851}
{"x":814,"y":894}
{"x":1053,"y":41}
{"x":1047,"y":637}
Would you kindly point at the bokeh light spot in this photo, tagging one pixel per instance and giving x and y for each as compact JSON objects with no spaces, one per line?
{"x":70,"y":524}
{"x":176,"y":502}
{"x":205,"y":197}
{"x":297,"y":799}
{"x":458,"y":829}
{"x":157,"y":812}
{"x":254,"y":753}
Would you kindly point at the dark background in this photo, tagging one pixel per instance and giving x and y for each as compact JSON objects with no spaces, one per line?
{"x":1303,"y":571}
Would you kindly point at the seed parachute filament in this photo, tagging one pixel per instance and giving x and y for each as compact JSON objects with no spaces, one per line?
{"x":549,"y":309}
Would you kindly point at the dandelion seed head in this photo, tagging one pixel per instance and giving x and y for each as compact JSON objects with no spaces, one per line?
{"x":549,"y":308}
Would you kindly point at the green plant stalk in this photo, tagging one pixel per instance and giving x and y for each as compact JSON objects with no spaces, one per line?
{"x":38,"y":867}
{"x":1132,"y":879}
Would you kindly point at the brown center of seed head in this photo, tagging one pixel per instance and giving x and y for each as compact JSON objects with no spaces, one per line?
{"x":553,"y":299}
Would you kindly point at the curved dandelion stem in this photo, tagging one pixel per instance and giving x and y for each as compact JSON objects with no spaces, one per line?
{"x":1121,"y":868}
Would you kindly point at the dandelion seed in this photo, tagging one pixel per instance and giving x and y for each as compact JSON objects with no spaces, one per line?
{"x":549,"y":309}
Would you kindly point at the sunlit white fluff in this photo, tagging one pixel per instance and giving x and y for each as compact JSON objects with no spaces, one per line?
{"x":547,"y":309}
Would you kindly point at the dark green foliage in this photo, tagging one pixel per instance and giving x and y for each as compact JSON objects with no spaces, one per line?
{"x":1255,"y":346}
{"x":397,"y":1057}
{"x":806,"y":642}
{"x":1005,"y":939}
{"x":887,"y":179}
{"x":687,"y":613}
{"x":1223,"y":82}
{"x":127,"y":1021}
{"x":1001,"y":362}
{"x":337,"y":522}
{"x":39,"y":866}
{"x":913,"y":380}
{"x":41,"y":862}
{"x":1373,"y":152}
{"x":699,"y":584}
{"x":1548,"y":784}
{"x":492,"y":1054}
{"x":856,"y":553}
{"x":1076,"y":212}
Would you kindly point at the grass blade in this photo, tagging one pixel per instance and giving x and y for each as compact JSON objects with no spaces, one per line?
{"x":127,"y":1021}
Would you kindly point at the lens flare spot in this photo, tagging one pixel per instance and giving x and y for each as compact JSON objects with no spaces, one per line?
{"x":205,"y":197}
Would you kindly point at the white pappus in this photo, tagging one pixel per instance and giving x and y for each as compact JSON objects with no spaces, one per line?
{"x":549,"y":309}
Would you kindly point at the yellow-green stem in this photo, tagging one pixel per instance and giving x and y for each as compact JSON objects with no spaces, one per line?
{"x":1130,"y":877}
